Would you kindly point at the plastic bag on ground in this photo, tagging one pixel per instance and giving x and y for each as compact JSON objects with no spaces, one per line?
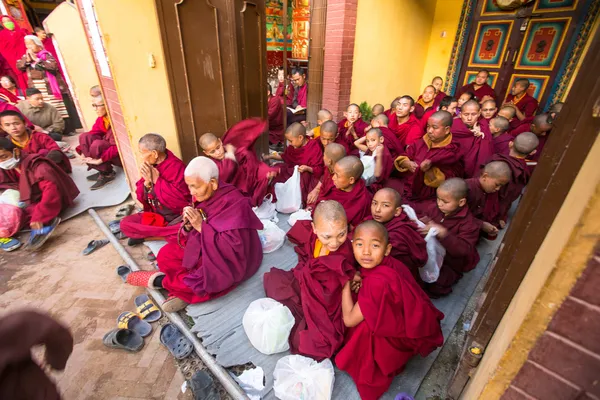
{"x":271,"y":236}
{"x":300,"y":215}
{"x":10,"y":220}
{"x":289,"y":194}
{"x":267,"y":209}
{"x":267,"y":324}
{"x":369,"y":171}
{"x":300,"y":378}
{"x":10,"y":196}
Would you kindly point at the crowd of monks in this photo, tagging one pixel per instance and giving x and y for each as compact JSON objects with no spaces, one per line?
{"x":356,"y":292}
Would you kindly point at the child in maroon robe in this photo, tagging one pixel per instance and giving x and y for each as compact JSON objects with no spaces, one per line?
{"x":509,"y":113}
{"x":488,"y":110}
{"x":328,"y":133}
{"x":285,"y":94}
{"x":391,"y":321}
{"x":219,"y":245}
{"x":524,"y":105}
{"x":275,"y":115}
{"x":322,"y":117}
{"x":425,"y":102}
{"x":392,"y":142}
{"x":352,"y":127}
{"x":313,"y":289}
{"x":302,"y":152}
{"x":162,"y":191}
{"x":403,"y":122}
{"x":499,"y":128}
{"x":462,"y":99}
{"x":448,"y":103}
{"x":29,"y":142}
{"x":373,"y":144}
{"x":473,"y":136}
{"x":333,"y":153}
{"x":349,"y":189}
{"x":377,"y":109}
{"x":458,"y":232}
{"x":408,"y":246}
{"x":430,"y":161}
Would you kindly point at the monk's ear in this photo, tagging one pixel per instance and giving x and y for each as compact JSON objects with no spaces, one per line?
{"x":511,"y":144}
{"x":398,"y":211}
{"x":345,"y":114}
{"x":352,"y":180}
{"x":412,"y":109}
{"x":462,"y":202}
{"x":214,"y":184}
{"x":313,"y":227}
{"x":532,"y":153}
{"x":381,"y":139}
{"x":447,"y":130}
{"x":388,"y":249}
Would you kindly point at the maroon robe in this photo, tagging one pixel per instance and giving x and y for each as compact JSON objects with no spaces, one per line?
{"x":42,"y":144}
{"x":513,"y":189}
{"x":280,"y":93}
{"x":501,"y":142}
{"x":359,"y":128}
{"x":408,"y":132}
{"x":460,"y":244}
{"x":391,"y":141}
{"x":387,"y":167}
{"x":522,"y":126}
{"x":399,"y":323}
{"x":12,"y":48}
{"x":313,"y":292}
{"x":474,"y":150}
{"x":425,"y":118}
{"x":5,"y":106}
{"x":527,"y":105}
{"x":275,"y":113}
{"x":485,"y":90}
{"x":167,"y":197}
{"x":356,"y":202}
{"x":226,"y":253}
{"x":420,"y":110}
{"x":483,"y":206}
{"x":436,"y":100}
{"x":100,"y":143}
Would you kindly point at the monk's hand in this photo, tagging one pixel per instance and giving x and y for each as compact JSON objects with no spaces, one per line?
{"x":36,"y":225}
{"x":151,"y":173}
{"x":442,"y":232}
{"x":356,"y":282}
{"x":271,"y":174}
{"x":502,"y":224}
{"x":313,"y":196}
{"x":425,"y":165}
{"x":193,"y":217}
{"x":305,"y":168}
{"x":477,"y":131}
{"x":92,"y":161}
{"x":489,"y":228}
{"x":410,"y":165}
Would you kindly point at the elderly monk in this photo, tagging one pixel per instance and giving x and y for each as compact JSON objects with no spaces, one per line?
{"x":425,"y":102}
{"x":99,"y":148}
{"x":404,"y":123}
{"x":479,"y":87}
{"x":474,"y":137}
{"x":161,"y":190}
{"x":524,"y":104}
{"x":219,"y":245}
{"x":13,"y":123}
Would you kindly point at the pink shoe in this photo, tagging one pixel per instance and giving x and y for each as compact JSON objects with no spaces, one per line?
{"x":144,"y":278}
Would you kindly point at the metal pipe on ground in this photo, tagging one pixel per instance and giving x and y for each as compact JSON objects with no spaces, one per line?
{"x":219,"y":372}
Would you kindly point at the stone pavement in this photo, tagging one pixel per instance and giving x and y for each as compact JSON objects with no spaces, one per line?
{"x":86,"y":294}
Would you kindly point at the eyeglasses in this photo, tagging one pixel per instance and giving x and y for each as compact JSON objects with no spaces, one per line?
{"x":97,"y":105}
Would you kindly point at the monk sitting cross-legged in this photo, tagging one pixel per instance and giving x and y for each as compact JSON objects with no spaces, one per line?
{"x":404,"y":123}
{"x":352,"y":127}
{"x":349,"y":189}
{"x":333,"y":153}
{"x":391,"y":320}
{"x":219,"y":245}
{"x":161,"y":190}
{"x":474,"y":137}
{"x":313,"y":289}
{"x":374,"y":145}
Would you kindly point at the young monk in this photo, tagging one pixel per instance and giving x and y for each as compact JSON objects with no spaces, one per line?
{"x":488,"y":109}
{"x":45,"y":189}
{"x":462,"y":99}
{"x":408,"y":246}
{"x":333,"y":153}
{"x":13,"y":123}
{"x":237,"y":162}
{"x":377,"y":109}
{"x":437,"y":82}
{"x":405,"y":124}
{"x":221,"y":247}
{"x":392,"y":142}
{"x":458,"y":232}
{"x":349,"y":190}
{"x":313,"y":289}
{"x":373,"y":144}
{"x":322,"y":116}
{"x":275,"y":116}
{"x":425,"y":102}
{"x":479,"y":87}
{"x":391,"y":321}
{"x":430,"y":161}
{"x":448,"y":103}
{"x":352,"y":127}
{"x":392,"y":110}
{"x":499,"y":128}
{"x":541,"y":126}
{"x":509,"y":113}
{"x":473,"y":136}
{"x":329,"y":134}
{"x":161,"y":190}
{"x":524,"y":104}
{"x":284,"y":93}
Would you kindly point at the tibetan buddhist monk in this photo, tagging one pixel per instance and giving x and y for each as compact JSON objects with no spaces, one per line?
{"x":488,"y":109}
{"x":377,"y":109}
{"x":390,"y":111}
{"x":349,"y":189}
{"x":408,"y":246}
{"x":462,"y":99}
{"x":392,"y":142}
{"x":299,"y":101}
{"x":437,"y":82}
{"x":458,"y":232}
{"x":237,"y":162}
{"x":29,"y":142}
{"x":448,"y":103}
{"x":473,"y":136}
{"x":479,"y":87}
{"x":45,"y":189}
{"x":431,"y":160}
{"x":284,"y":92}
{"x":162,"y":191}
{"x":524,"y":104}
{"x":405,"y":125}
{"x":425,"y":102}
{"x":373,"y":144}
{"x":99,"y":148}
{"x":328,"y":133}
{"x":4,"y":106}
{"x":313,"y":289}
{"x":333,"y":153}
{"x":322,"y":116}
{"x":219,"y":245}
{"x":275,"y":113}
{"x":483,"y":200}
{"x":509,"y":113}
{"x":352,"y":127}
{"x":391,"y":320}
{"x":499,"y":128}
{"x":541,"y":126}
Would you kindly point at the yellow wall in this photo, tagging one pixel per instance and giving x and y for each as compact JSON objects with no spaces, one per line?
{"x":445,"y":21}
{"x":64,"y":22}
{"x":392,"y":38}
{"x":131,"y":36}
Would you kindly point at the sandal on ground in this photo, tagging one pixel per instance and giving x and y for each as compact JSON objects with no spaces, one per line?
{"x":114,"y":226}
{"x":124,"y":339}
{"x":144,"y":278}
{"x":175,"y":341}
{"x":39,"y":236}
{"x":174,"y":304}
{"x":146,"y":308}
{"x":94,"y":245}
{"x":129,"y":320}
{"x":203,"y":386}
{"x":124,"y":211}
{"x":123,"y":271}
{"x":150,"y":256}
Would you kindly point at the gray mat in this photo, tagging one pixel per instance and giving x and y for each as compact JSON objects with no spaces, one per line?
{"x":218,"y":323}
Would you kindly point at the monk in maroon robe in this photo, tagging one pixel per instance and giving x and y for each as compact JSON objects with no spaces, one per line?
{"x":458,"y":232}
{"x":285,"y":94}
{"x":479,"y":87}
{"x":391,"y":321}
{"x":524,"y":104}
{"x":328,"y":133}
{"x":373,"y":144}
{"x":499,"y":128}
{"x":332,"y":153}
{"x":313,"y":289}
{"x":473,"y":136}
{"x":488,"y":110}
{"x":4,"y":106}
{"x":275,"y":113}
{"x":392,"y":142}
{"x":509,"y":113}
{"x":426,"y":164}
{"x":218,"y":247}
{"x":425,"y":102}
{"x":408,"y":246}
{"x":300,"y":98}
{"x":349,"y":189}
{"x":405,"y":125}
{"x":162,"y":191}
{"x":12,"y":46}
{"x":352,"y":127}
{"x":437,"y":84}
{"x":448,"y":103}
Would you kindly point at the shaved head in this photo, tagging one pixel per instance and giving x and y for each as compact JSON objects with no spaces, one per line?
{"x":394,"y":102}
{"x":378,"y":108}
{"x":207,"y":140}
{"x":382,"y":119}
{"x":500,"y":123}
{"x":203,"y":168}
{"x":353,"y":105}
{"x":429,"y":87}
{"x":443,"y":116}
{"x":375,"y":131}
{"x":329,"y":127}
{"x":330,"y":211}
{"x":541,"y":122}
{"x":507,"y":112}
{"x":489,"y":103}
{"x":497,"y":169}
{"x":335,"y":152}
{"x":296,"y":129}
{"x":153,"y":141}
{"x":472,"y":103}
{"x":409,"y":98}
{"x":456,"y":187}
{"x":351,"y":166}
{"x":324,"y":115}
{"x":373,"y":225}
{"x":525,"y":143}
{"x":392,"y":194}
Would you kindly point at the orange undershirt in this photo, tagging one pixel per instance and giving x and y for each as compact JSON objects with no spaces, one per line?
{"x":517,"y":99}
{"x":318,"y":248}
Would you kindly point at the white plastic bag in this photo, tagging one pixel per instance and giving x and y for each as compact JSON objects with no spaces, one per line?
{"x":289,"y":194}
{"x":10,"y":196}
{"x":302,"y":378}
{"x":430,"y":272}
{"x":271,"y":236}
{"x":267,"y":324}
{"x":300,"y":215}
{"x":267,"y":209}
{"x":369,"y":169}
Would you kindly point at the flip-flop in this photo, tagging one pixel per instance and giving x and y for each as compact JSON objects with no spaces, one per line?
{"x":94,"y":245}
{"x":39,"y":236}
{"x":175,"y":342}
{"x":123,"y":271}
{"x":146,"y":308}
{"x":120,"y":235}
{"x":129,"y":320}
{"x":114,"y":226}
{"x":124,"y":211}
{"x":124,"y":339}
{"x":203,"y":387}
{"x":150,"y":256}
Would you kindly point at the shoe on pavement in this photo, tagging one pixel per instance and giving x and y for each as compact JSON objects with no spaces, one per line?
{"x":9,"y":244}
{"x":93,"y":177}
{"x":103,"y":180}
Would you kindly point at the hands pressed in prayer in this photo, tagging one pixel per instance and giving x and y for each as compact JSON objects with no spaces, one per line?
{"x":36,"y":225}
{"x":31,"y":56}
{"x":489,"y":228}
{"x":92,"y":161}
{"x":149,"y":173}
{"x":425,"y":165}
{"x":193,"y":218}
{"x":305,"y":168}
